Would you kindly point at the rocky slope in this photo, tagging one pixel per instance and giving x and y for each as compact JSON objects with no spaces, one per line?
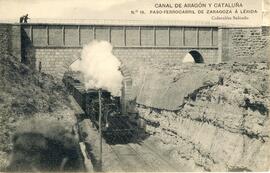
{"x":165,"y":88}
{"x":223,"y":125}
{"x":25,"y":93}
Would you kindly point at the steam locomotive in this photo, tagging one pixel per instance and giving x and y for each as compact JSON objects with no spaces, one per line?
{"x":119,"y":117}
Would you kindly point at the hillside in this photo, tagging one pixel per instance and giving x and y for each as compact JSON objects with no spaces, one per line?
{"x":24,"y":94}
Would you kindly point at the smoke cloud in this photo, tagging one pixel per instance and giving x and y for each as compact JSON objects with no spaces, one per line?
{"x":100,"y":68}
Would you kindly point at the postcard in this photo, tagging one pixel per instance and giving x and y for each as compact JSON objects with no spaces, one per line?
{"x":134,"y":86}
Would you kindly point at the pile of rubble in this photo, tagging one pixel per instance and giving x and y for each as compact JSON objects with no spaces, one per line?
{"x":223,"y":125}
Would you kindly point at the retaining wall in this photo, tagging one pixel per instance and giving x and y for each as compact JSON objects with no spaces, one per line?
{"x":56,"y":61}
{"x":242,"y":43}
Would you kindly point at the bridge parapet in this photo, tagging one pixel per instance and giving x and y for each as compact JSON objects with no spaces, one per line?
{"x":75,"y":36}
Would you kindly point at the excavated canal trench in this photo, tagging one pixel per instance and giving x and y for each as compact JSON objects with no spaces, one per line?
{"x":204,"y":117}
{"x":222,"y":125}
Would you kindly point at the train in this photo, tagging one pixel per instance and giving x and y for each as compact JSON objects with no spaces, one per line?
{"x":120,"y":119}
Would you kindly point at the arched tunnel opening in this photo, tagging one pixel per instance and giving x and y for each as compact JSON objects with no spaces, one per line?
{"x":194,"y":57}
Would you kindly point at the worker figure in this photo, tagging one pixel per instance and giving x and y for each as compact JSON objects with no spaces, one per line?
{"x":24,"y":19}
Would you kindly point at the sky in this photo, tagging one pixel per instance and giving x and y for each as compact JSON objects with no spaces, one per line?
{"x":110,"y":9}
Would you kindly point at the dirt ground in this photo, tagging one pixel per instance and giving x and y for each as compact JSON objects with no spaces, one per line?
{"x":223,"y":125}
{"x":25,"y":93}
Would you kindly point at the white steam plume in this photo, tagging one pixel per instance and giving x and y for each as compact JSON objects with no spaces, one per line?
{"x":100,"y":68}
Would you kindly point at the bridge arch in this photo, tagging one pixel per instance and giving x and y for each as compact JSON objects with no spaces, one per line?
{"x":193,"y":56}
{"x":198,"y":58}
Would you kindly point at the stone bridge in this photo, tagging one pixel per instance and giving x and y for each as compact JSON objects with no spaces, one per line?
{"x":53,"y":47}
{"x":56,"y":46}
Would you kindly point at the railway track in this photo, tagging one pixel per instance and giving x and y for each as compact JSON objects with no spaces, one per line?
{"x":143,"y":157}
{"x":131,"y":161}
{"x":165,"y":163}
{"x":130,"y":157}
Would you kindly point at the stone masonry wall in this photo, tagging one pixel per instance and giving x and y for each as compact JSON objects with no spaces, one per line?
{"x":55,"y":61}
{"x":241,"y":43}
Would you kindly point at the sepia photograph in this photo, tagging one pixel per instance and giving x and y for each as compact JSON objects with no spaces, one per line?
{"x":134,"y":86}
